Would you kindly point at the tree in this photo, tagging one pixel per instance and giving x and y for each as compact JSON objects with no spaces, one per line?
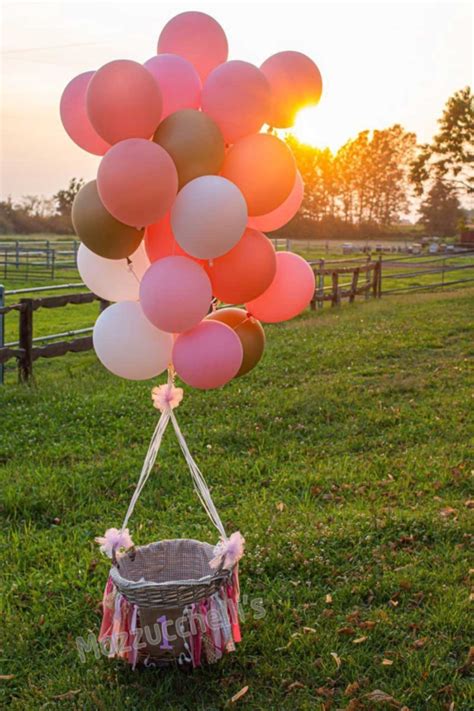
{"x":440,"y":212}
{"x":450,"y":156}
{"x":64,"y":198}
{"x":373,"y":175}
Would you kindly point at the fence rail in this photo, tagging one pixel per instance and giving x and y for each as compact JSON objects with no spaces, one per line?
{"x":37,"y":259}
{"x":24,"y":349}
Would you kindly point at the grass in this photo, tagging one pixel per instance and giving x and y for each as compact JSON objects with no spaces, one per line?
{"x":345,"y":461}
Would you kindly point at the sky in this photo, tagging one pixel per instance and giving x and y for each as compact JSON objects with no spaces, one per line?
{"x":382,"y":63}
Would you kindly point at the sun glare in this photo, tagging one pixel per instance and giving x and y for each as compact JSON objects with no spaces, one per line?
{"x":315,"y":127}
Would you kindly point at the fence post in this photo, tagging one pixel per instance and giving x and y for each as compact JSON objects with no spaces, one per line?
{"x":17,"y":254}
{"x":5,"y":264}
{"x":25,"y":362}
{"x":2,"y":331}
{"x":335,"y":289}
{"x":103,"y":305}
{"x":48,"y":252}
{"x":321,"y":284}
{"x":379,"y":278}
{"x":53,"y":260}
{"x":367,"y":278}
{"x":355,"y":279}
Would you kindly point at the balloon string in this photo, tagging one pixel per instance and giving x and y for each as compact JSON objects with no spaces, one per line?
{"x":132,"y":270}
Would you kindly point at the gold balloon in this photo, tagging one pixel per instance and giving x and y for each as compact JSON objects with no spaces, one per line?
{"x":250,"y":332}
{"x":98,"y":230}
{"x":194,"y":142}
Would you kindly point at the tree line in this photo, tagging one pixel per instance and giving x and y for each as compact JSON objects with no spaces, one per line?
{"x":364,"y":189}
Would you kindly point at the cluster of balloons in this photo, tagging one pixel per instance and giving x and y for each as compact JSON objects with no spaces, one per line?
{"x":186,"y":188}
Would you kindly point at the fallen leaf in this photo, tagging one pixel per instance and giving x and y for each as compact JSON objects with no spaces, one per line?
{"x":309,"y":630}
{"x":296,"y":685}
{"x":351,"y":689}
{"x":6,"y":677}
{"x":280,"y":506}
{"x":353,"y":705}
{"x":328,"y":599}
{"x":325,"y":691}
{"x":380,"y":697}
{"x":359,"y":640}
{"x":367,"y":625}
{"x":469,"y":504}
{"x":236,"y":697}
{"x":387,"y":662}
{"x":68,"y":695}
{"x":336,"y":659}
{"x":419,"y":643}
{"x":346,"y":630}
{"x":448,"y":511}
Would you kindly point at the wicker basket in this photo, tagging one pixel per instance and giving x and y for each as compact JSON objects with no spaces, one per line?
{"x":165,"y":602}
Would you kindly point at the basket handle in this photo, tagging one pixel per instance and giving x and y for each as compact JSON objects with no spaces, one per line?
{"x":199,"y":483}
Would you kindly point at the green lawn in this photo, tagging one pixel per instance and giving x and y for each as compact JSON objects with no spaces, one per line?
{"x":344,"y":459}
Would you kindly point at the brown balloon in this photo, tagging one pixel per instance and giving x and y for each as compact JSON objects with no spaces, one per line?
{"x":98,"y":230}
{"x":250,"y":332}
{"x":194,"y":142}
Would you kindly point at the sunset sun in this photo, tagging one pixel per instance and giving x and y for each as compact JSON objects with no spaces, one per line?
{"x":316,"y":127}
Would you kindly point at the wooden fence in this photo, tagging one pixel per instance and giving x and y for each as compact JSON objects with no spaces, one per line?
{"x":335,"y":280}
{"x":363,"y":278}
{"x":25,"y":350}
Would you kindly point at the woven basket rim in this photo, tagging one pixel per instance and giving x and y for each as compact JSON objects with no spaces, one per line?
{"x":131,"y":585}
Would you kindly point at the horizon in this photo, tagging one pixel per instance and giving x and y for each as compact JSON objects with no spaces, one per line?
{"x":403,"y":75}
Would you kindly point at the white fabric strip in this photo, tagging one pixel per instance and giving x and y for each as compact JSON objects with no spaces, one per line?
{"x":199,"y":482}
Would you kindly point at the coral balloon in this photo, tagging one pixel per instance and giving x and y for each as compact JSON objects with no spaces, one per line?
{"x":123,"y":101}
{"x":284,"y":212}
{"x":177,"y":81}
{"x":246,"y":271}
{"x":207,"y":356}
{"x":194,"y":142}
{"x":295,"y":82}
{"x":98,"y":230}
{"x":137,"y":181}
{"x":128,"y":345}
{"x":208,"y":217}
{"x":263,"y":168}
{"x":75,"y":119}
{"x":237,"y":96}
{"x":198,"y":38}
{"x":175,"y":294}
{"x":249,"y":331}
{"x":289,"y":293}
{"x":160,"y":241}
{"x":112,"y":279}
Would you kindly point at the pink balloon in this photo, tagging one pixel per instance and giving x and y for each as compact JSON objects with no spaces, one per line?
{"x":137,"y":182}
{"x":295,"y":82}
{"x":75,"y":119}
{"x":175,"y":294}
{"x":237,"y":96}
{"x":289,"y":293}
{"x":198,"y":38}
{"x":123,"y":101}
{"x":208,"y":356}
{"x":284,"y":212}
{"x":178,"y":82}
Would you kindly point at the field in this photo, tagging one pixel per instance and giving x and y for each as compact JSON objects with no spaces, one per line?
{"x":344,"y":459}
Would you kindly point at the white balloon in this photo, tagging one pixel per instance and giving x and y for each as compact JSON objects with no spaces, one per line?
{"x":209,"y":216}
{"x":112,"y":279}
{"x":129,"y":345}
